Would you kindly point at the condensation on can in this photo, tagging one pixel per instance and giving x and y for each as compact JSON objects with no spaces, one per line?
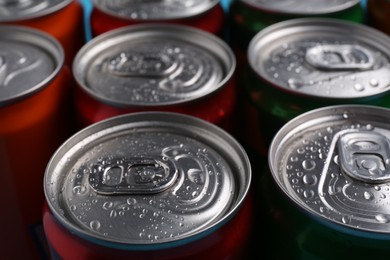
{"x":34,"y":122}
{"x":156,"y":67}
{"x":149,"y":184}
{"x":207,"y":15}
{"x":62,"y":19}
{"x":331,"y":170}
{"x":307,"y":63}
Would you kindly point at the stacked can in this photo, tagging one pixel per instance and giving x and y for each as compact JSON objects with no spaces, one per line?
{"x":153,"y":67}
{"x":378,"y":13}
{"x":33,"y":123}
{"x":62,"y":19}
{"x":207,"y":15}
{"x":149,"y":185}
{"x":331,"y":169}
{"x":248,"y":17}
{"x":303,"y":64}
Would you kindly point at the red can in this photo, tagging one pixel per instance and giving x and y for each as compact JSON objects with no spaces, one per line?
{"x":33,"y":123}
{"x":207,"y":15}
{"x":62,"y":19}
{"x":378,"y":13}
{"x":149,"y":185}
{"x":156,"y":67}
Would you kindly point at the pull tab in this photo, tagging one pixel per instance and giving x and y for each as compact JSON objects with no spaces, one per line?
{"x":134,"y":176}
{"x":340,"y":57}
{"x":138,"y":64}
{"x":365,"y":156}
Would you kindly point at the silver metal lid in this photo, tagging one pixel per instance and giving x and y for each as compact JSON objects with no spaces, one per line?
{"x":17,"y":10}
{"x":334,"y":163}
{"x":147,"y":179}
{"x":29,"y":60}
{"x":321,"y":57}
{"x":155,"y":9}
{"x":153,"y":65}
{"x":299,"y":7}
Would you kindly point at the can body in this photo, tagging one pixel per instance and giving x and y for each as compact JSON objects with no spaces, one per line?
{"x":185,"y":82}
{"x":33,"y":123}
{"x":377,"y":15}
{"x":285,"y":81}
{"x":156,"y":217}
{"x":103,"y":19}
{"x":64,"y":22}
{"x":312,"y":194}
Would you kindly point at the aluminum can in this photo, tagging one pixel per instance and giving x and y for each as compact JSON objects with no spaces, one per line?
{"x":378,"y":13}
{"x":62,"y":19}
{"x":149,"y":185}
{"x":154,"y":67}
{"x":331,"y":169}
{"x":248,"y":17}
{"x":307,"y":63}
{"x":207,"y":15}
{"x":33,"y":123}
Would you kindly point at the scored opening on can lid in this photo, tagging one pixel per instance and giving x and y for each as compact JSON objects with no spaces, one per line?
{"x":322,"y":57}
{"x":153,"y":65}
{"x":114,"y":182}
{"x":29,"y":60}
{"x":157,"y":10}
{"x":334,"y":163}
{"x":299,"y":7}
{"x":19,"y":10}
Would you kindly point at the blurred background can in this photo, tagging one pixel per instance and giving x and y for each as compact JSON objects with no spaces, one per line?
{"x":63,"y":19}
{"x":307,"y":63}
{"x":378,"y":13}
{"x":33,"y":123}
{"x":207,"y":15}
{"x":149,"y":185}
{"x":161,"y":67}
{"x":327,"y":186}
{"x":248,"y":17}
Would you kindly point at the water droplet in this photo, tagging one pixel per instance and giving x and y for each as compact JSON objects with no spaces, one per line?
{"x":295,"y":83}
{"x":345,"y":115}
{"x":382,"y":218}
{"x":346,"y":219}
{"x":73,"y":207}
{"x":374,"y":82}
{"x":310,"y":179}
{"x":131,"y":201}
{"x":294,"y":159}
{"x":113,"y":213}
{"x":358,"y":87}
{"x":300,"y":150}
{"x":78,"y":190}
{"x":94,"y":225}
{"x":368,"y":195}
{"x":195,"y":193}
{"x":369,"y":127}
{"x":107,"y":205}
{"x":308,"y":194}
{"x":308,"y":165}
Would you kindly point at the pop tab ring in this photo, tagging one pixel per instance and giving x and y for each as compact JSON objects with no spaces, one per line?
{"x":340,"y":57}
{"x":365,"y":156}
{"x":133,"y":176}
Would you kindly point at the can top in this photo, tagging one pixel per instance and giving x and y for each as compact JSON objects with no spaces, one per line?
{"x":153,"y":65}
{"x":156,"y":10}
{"x":298,"y":7}
{"x":322,"y":57}
{"x":147,"y":179}
{"x":29,"y":60}
{"x":18,"y":10}
{"x":334,"y":162}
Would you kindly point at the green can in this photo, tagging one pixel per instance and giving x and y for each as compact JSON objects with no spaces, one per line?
{"x":327,"y":188}
{"x":302,"y":64}
{"x":248,"y":17}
